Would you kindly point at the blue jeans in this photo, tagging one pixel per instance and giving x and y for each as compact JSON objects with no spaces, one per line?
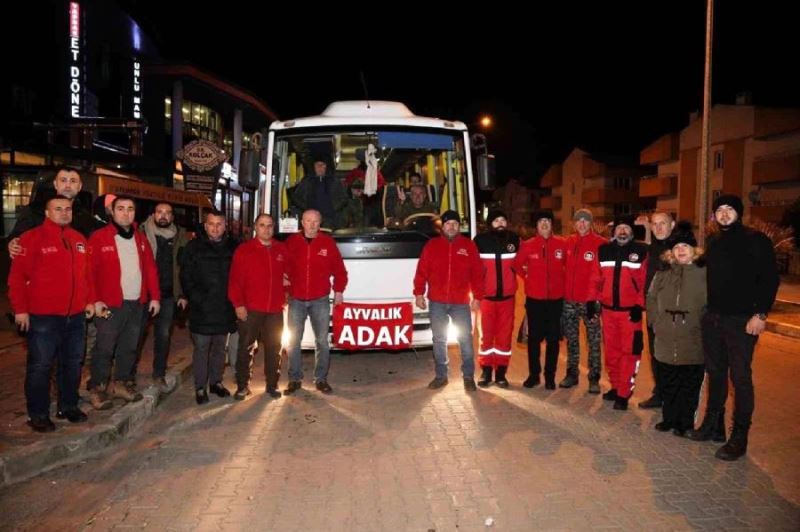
{"x":462,"y":320}
{"x":319,"y":310}
{"x":59,"y":339}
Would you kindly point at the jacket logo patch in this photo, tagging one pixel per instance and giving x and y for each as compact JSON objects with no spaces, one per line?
{"x":511,"y":248}
{"x":633,"y":257}
{"x":49,"y":249}
{"x":535,"y":256}
{"x":588,"y":256}
{"x":80,"y":247}
{"x":463,"y":252}
{"x":279,"y":258}
{"x":107,"y":249}
{"x":559,"y":254}
{"x":323,"y":253}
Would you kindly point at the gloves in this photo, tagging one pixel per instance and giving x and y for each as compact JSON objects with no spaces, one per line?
{"x":591,"y":309}
{"x":636,"y":314}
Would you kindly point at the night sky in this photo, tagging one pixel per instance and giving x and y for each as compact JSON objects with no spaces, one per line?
{"x":610,"y":77}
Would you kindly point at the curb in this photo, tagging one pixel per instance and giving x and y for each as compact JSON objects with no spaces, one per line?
{"x":784,"y":329}
{"x":34,"y":459}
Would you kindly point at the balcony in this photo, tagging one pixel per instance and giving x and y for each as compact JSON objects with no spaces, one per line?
{"x":605,"y":196}
{"x":662,"y":150}
{"x":768,"y":213}
{"x":777,"y":169}
{"x":550,"y":202}
{"x":661,"y":185}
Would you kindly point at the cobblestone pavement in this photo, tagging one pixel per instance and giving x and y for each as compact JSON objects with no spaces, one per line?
{"x":385,"y":453}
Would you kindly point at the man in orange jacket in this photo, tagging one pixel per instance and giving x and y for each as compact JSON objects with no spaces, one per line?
{"x":51,"y":292}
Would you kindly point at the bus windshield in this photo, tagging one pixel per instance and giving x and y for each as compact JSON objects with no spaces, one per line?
{"x":369,"y":180}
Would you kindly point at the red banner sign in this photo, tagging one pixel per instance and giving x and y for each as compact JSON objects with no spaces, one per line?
{"x":378,"y":326}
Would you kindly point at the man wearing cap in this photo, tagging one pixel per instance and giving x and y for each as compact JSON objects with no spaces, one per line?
{"x":661,"y":226}
{"x":322,"y":192}
{"x":449,"y":269}
{"x":498,"y":249}
{"x":353,"y":213}
{"x":582,"y":251}
{"x":540,"y":262}
{"x":742,"y":285}
{"x":618,"y":282}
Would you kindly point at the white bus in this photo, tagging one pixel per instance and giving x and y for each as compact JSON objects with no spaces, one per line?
{"x":381,"y":251}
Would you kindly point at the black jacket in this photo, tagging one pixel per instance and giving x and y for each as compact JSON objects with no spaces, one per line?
{"x":742,"y":274}
{"x":205,"y":266}
{"x":654,"y":262}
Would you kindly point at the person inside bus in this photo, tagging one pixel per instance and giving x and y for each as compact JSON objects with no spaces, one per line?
{"x":416,"y":202}
{"x":321,"y":192}
{"x":353,"y":214}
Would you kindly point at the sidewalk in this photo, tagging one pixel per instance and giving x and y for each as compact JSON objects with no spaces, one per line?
{"x":24,"y":453}
{"x":785,"y":316}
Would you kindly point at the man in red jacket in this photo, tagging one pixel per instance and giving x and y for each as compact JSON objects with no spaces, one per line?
{"x":313,"y":260}
{"x":126,"y":281}
{"x":498,"y":248}
{"x":450,"y":269}
{"x":618,"y":282}
{"x":257,"y":293}
{"x":582,"y":249}
{"x":51,"y":292}
{"x":540,"y":262}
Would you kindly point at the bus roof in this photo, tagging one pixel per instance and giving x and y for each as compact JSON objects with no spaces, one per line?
{"x":367,"y":113}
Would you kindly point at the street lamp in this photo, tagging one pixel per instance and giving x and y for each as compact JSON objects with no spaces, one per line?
{"x":486,"y":122}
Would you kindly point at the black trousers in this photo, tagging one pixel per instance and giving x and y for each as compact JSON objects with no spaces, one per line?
{"x":544,"y":323}
{"x":680,"y":391}
{"x":729,"y":349}
{"x":265,"y":329}
{"x":655,"y":365}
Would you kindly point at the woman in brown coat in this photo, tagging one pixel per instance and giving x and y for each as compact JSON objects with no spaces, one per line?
{"x":675,"y":304}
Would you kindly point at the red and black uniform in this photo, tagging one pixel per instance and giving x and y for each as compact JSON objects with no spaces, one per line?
{"x":497,"y":249}
{"x":540,"y":262}
{"x":618,"y":282}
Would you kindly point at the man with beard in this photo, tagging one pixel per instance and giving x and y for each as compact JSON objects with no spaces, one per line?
{"x":618,"y":283}
{"x":742,"y":285}
{"x":498,"y":248}
{"x":167,"y":241}
{"x":661,"y":225}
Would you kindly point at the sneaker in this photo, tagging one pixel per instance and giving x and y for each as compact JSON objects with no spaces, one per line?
{"x":594,"y":387}
{"x":437,"y":383}
{"x":274,"y":393}
{"x":162,"y":385}
{"x":41,"y":424}
{"x":219,"y":389}
{"x":550,"y":384}
{"x":99,"y":399}
{"x":293,"y":387}
{"x":569,"y":381}
{"x":242,"y":392}
{"x":532,"y":381}
{"x":73,"y":415}
{"x":653,"y":402}
{"x":469,"y":384}
{"x":201,"y":396}
{"x":324,"y":387}
{"x":663,"y":426}
{"x":610,"y":395}
{"x":127,"y":391}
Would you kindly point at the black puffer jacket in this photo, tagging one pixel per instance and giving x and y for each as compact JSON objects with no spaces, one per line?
{"x":205,"y":266}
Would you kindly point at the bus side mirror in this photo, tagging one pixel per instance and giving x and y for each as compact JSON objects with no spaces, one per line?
{"x":486,"y":171}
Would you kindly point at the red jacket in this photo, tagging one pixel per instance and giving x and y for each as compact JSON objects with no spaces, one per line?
{"x":108,"y":274}
{"x":541,"y":263}
{"x":581,"y":261}
{"x":618,"y":278}
{"x":52,"y":275}
{"x":311,"y":266}
{"x":256,"y":277}
{"x":498,"y":249}
{"x":450,"y":269}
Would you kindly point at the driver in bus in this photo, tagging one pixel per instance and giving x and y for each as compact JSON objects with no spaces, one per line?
{"x":417,"y":204}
